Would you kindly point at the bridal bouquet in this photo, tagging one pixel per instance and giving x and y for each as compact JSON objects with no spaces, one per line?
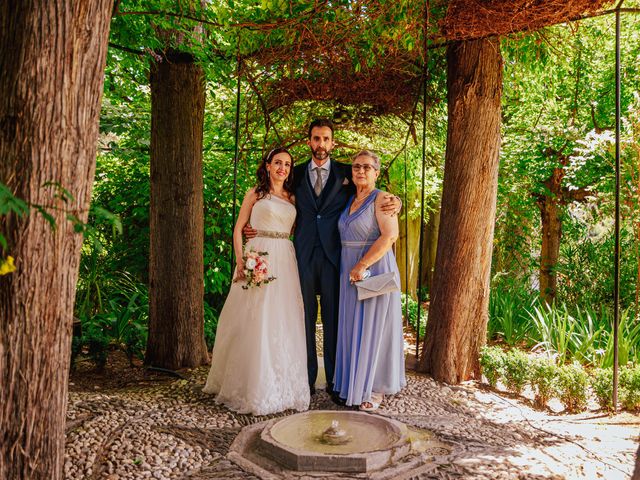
{"x":256,"y":268}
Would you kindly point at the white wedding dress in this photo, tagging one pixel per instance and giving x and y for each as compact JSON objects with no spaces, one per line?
{"x":259,"y":360}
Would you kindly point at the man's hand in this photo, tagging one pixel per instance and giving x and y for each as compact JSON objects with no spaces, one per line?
{"x":392,"y":205}
{"x":249,"y":232}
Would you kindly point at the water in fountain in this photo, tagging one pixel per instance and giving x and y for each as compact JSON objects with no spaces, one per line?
{"x":304,"y":432}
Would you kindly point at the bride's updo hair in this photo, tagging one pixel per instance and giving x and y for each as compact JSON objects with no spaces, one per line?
{"x":263,"y":187}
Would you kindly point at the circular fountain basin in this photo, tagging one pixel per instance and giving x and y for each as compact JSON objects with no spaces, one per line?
{"x":296,"y":442}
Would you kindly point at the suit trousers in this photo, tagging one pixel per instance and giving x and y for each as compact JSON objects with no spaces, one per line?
{"x":321,"y":278}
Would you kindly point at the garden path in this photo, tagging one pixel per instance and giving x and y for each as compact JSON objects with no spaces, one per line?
{"x":167,"y":428}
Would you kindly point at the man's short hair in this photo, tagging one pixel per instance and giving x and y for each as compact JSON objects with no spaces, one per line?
{"x":321,"y":122}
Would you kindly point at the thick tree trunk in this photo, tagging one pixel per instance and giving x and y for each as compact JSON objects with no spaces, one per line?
{"x":550,"y":251}
{"x":176,"y":278}
{"x":52,"y":57}
{"x":459,"y":299}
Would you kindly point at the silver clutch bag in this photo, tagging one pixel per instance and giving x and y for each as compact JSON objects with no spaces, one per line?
{"x":377,"y":285}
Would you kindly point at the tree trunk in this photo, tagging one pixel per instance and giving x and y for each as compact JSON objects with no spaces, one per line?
{"x":52,"y":57}
{"x":550,"y":251}
{"x":550,"y":203}
{"x":459,"y":299}
{"x":176,"y":278}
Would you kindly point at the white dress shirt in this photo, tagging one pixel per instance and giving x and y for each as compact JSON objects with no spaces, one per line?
{"x":325,"y":169}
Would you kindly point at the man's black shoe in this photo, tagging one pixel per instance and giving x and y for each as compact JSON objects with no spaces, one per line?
{"x":312,"y":390}
{"x":335,"y":398}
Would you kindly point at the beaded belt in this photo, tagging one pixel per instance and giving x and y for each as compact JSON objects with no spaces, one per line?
{"x":270,"y":234}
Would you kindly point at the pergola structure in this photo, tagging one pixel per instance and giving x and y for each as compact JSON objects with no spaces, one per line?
{"x":320,"y":67}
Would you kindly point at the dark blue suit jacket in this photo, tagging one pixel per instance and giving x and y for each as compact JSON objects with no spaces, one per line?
{"x":317,"y":220}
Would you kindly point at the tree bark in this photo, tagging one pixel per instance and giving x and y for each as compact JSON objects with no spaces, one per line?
{"x":176,"y":277}
{"x":556,"y":196}
{"x":52,"y":58}
{"x":551,"y":234}
{"x":460,"y":295}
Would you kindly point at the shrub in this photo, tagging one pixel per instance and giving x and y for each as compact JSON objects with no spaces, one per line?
{"x":122,"y":326}
{"x":411,"y":310}
{"x":492,"y":364}
{"x":95,"y":341}
{"x":573,"y":383}
{"x":517,"y":370}
{"x":544,"y":380}
{"x":602,"y":386}
{"x":630,"y":388}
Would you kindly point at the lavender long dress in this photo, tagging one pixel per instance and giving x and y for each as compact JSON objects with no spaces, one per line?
{"x":370,"y":355}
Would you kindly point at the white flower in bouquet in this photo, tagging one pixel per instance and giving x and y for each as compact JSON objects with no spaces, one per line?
{"x":256,"y":269}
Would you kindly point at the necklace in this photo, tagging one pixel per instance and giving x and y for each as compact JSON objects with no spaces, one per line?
{"x":358,"y":201}
{"x":363,"y":198}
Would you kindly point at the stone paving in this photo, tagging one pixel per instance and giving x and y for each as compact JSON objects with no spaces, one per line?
{"x":174,"y":431}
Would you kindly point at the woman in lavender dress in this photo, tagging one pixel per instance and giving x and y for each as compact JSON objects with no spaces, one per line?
{"x":370,"y":354}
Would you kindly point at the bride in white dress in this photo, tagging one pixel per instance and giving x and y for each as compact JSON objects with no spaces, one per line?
{"x":259,"y":360}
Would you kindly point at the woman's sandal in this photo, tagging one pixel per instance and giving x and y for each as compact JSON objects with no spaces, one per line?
{"x":373,"y":404}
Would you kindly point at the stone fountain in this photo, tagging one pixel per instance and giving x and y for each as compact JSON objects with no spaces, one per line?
{"x":345,"y":444}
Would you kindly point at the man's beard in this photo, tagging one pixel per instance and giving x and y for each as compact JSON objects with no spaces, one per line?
{"x":320,"y":153}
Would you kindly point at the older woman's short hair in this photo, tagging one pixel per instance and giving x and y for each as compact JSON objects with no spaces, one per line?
{"x":371,"y":155}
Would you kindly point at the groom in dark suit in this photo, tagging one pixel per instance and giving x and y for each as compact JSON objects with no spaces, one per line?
{"x":322,"y":188}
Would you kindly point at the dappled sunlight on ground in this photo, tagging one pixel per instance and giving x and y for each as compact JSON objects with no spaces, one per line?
{"x":167,"y":428}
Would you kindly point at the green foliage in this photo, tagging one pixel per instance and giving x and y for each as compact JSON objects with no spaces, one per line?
{"x":544,"y":380}
{"x":580,"y":335}
{"x":210,"y":325}
{"x":570,"y":383}
{"x":509,"y":319}
{"x":554,"y":329}
{"x":573,"y":384}
{"x":119,"y":323}
{"x":517,"y":370}
{"x":630,"y":388}
{"x":628,"y":339}
{"x":10,"y":204}
{"x":602,"y":386}
{"x":492,"y":363}
{"x":411,"y":310}
{"x":557,"y":110}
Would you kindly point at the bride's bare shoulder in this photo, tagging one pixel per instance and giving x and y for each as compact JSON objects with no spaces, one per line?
{"x":251,"y":196}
